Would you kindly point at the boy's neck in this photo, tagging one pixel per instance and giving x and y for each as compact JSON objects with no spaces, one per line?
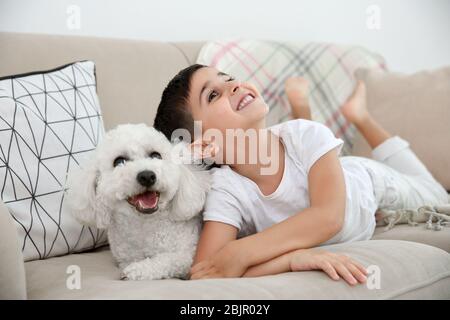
{"x":274,"y":154}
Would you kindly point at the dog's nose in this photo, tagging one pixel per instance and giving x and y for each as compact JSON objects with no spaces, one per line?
{"x":146,"y":178}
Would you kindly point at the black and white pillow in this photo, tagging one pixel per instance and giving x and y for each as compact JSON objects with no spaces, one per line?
{"x":50,"y":121}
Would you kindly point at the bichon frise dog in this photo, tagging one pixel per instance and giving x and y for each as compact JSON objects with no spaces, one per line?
{"x":137,"y":187}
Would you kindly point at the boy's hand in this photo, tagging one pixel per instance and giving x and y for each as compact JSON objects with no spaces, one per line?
{"x":335,"y":265}
{"x":226,"y":263}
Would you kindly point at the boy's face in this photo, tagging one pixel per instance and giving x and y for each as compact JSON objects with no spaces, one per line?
{"x":221,"y":102}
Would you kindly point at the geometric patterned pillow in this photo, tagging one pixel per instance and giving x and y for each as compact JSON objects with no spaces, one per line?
{"x":50,"y":121}
{"x":267,"y":64}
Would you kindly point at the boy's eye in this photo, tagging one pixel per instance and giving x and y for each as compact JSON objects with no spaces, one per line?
{"x":155,"y":155}
{"x":212,"y":95}
{"x":230,"y":79}
{"x":119,"y":161}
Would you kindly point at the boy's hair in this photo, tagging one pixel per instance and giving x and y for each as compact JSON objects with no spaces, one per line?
{"x":173,"y":111}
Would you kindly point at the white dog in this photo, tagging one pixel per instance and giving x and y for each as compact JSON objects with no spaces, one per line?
{"x":137,"y":187}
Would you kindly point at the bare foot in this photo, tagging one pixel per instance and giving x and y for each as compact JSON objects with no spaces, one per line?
{"x":297,"y":91}
{"x":355,"y":109}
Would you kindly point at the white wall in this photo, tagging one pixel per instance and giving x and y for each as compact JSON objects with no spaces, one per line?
{"x":414,"y":34}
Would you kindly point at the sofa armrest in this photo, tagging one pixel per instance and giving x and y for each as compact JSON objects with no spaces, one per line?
{"x":12,"y":268}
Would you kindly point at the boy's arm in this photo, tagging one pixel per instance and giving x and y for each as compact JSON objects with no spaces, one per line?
{"x":309,"y":228}
{"x":213,"y":237}
{"x":276,"y":265}
{"x":334,"y":265}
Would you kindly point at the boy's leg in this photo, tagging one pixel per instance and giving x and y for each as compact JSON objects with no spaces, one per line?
{"x":355,"y":111}
{"x":392,"y":151}
{"x":400,"y":177}
{"x":296,"y":89}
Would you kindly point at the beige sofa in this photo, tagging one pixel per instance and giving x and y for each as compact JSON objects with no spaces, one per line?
{"x":131,"y":76}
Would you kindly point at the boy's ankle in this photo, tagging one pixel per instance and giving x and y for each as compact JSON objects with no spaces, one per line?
{"x":363,"y":121}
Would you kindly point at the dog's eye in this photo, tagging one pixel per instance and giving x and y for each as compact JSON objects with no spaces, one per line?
{"x":155,"y":155}
{"x":119,"y":161}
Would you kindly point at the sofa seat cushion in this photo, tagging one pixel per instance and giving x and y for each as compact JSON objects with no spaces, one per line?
{"x":440,"y":239}
{"x":407,"y":270}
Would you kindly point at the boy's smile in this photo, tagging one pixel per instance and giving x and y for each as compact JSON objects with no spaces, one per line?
{"x":245,"y":101}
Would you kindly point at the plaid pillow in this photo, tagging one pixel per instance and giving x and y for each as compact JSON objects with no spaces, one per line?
{"x":267,"y":64}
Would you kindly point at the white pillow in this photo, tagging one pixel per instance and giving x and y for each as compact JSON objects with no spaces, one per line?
{"x":50,"y":121}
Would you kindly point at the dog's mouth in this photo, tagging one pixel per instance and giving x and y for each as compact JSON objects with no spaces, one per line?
{"x":146,"y":202}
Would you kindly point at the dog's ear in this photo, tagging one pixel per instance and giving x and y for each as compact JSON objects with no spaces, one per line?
{"x":82,"y":199}
{"x":191,"y":194}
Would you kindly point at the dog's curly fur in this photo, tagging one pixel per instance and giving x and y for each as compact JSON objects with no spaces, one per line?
{"x":146,"y":246}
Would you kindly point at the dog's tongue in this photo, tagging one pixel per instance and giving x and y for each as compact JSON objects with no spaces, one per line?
{"x":145,"y":200}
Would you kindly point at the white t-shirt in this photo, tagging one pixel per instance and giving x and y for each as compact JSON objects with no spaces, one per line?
{"x":238,"y":201}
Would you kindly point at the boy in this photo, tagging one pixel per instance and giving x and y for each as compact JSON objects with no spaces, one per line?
{"x":258,"y":224}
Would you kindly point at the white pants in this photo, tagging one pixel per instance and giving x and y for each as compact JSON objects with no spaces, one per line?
{"x":400,"y":179}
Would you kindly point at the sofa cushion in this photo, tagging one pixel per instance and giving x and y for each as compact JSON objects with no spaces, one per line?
{"x":12,"y":269}
{"x":406,"y":270}
{"x":419,"y":233}
{"x":415,"y":107}
{"x":50,"y":121}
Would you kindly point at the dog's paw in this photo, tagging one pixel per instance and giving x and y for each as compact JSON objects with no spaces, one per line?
{"x":140,"y":270}
{"x":123,"y":276}
{"x":133,"y":271}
